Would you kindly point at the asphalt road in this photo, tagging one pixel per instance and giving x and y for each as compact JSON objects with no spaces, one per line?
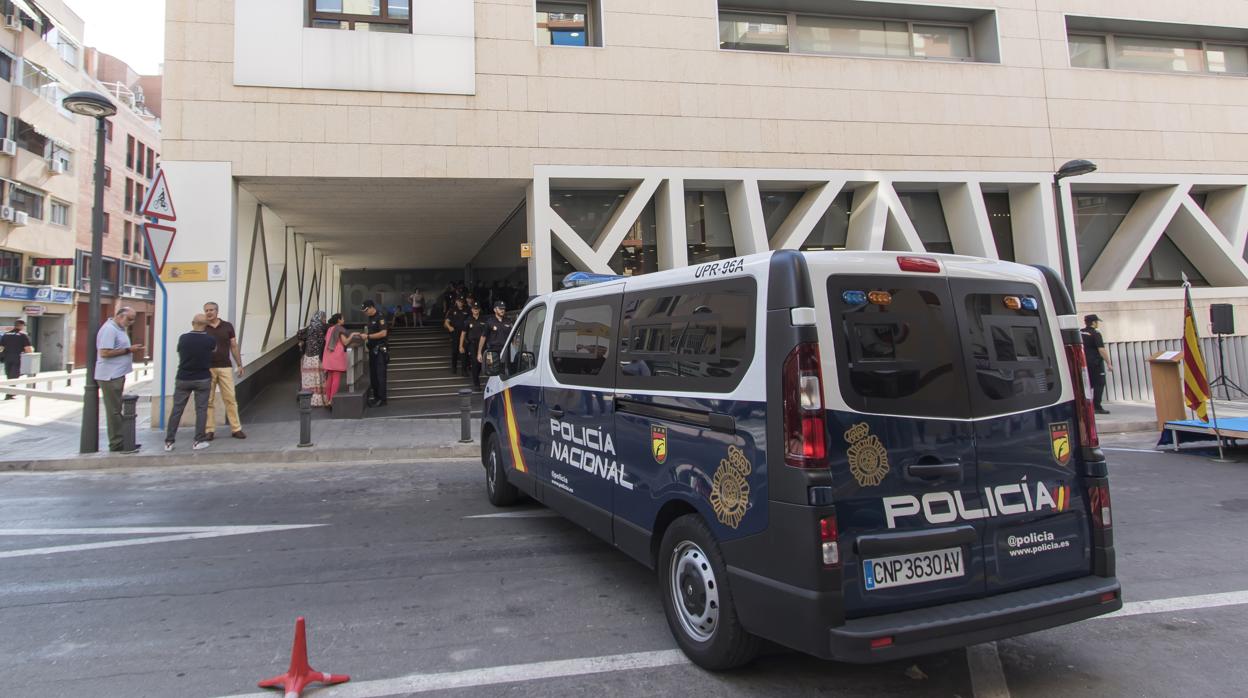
{"x":396,"y":582}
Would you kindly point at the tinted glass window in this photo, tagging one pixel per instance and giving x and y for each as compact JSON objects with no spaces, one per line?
{"x":898,"y":353}
{"x":697,"y":337}
{"x":525,"y":342}
{"x":581,"y":339}
{"x":1009,"y":351}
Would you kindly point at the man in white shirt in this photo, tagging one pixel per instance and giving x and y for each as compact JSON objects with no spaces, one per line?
{"x":115,"y":359}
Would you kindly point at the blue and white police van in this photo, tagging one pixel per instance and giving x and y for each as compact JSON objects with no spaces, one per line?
{"x":860,"y":455}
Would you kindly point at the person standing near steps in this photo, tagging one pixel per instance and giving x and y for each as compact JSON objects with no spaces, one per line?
{"x":194,"y":377}
{"x":223,"y":372}
{"x":114,"y":361}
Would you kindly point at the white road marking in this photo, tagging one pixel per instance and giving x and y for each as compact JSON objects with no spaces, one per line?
{"x":492,"y":676}
{"x":1179,"y":603}
{"x":526,"y":514}
{"x":177,"y":534}
{"x":987,"y":677}
{"x":1130,"y":450}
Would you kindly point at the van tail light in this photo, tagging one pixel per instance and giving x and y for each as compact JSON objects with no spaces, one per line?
{"x":1084,"y":408}
{"x":804,"y":441}
{"x":923,"y":264}
{"x":1098,"y":502}
{"x":828,"y":541}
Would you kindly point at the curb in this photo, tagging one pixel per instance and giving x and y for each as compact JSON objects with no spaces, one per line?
{"x":1127,"y":427}
{"x":160,"y":459}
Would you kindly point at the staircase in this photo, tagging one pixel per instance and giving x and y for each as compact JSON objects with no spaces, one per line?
{"x":420,"y":382}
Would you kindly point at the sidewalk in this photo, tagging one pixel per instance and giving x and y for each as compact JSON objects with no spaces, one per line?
{"x":1142,"y":416}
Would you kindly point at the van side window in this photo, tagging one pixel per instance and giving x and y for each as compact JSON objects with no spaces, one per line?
{"x":696,"y":337}
{"x":526,"y":340}
{"x":1009,"y":350}
{"x":581,"y":339}
{"x":897,"y":346}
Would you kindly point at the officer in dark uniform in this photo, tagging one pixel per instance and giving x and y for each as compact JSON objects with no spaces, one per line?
{"x":455,"y":322}
{"x":470,"y":343}
{"x":496,"y":330}
{"x":1097,"y":358}
{"x":376,"y":332}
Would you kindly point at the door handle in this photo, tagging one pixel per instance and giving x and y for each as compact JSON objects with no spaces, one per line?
{"x":935,"y":471}
{"x":556,"y":412}
{"x":532,"y":406}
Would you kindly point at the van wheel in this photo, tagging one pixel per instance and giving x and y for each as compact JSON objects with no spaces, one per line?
{"x":500,"y":492}
{"x":693,"y":582}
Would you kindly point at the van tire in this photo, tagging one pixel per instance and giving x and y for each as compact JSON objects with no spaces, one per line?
{"x":500,"y":492}
{"x":703,"y":618}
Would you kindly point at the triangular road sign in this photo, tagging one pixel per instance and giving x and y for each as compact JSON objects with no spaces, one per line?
{"x":159,"y":242}
{"x":159,"y":202}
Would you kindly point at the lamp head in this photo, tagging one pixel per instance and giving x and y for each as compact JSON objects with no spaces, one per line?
{"x":1074,"y":168}
{"x":92,"y":104}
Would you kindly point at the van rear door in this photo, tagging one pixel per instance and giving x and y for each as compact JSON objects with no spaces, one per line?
{"x":1040,"y":531}
{"x":901,"y":444}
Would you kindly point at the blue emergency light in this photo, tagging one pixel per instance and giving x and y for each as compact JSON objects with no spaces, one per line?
{"x":584,"y":278}
{"x":854,"y":297}
{"x":1029,"y":303}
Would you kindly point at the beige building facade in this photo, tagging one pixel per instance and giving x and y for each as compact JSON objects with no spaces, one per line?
{"x":633,"y":135}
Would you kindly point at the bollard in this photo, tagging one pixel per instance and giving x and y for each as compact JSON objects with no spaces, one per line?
{"x":465,"y":416}
{"x":128,"y":414}
{"x":305,"y":418}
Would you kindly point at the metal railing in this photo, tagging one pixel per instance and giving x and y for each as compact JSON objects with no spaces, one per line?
{"x":13,"y":386}
{"x":1132,"y":379}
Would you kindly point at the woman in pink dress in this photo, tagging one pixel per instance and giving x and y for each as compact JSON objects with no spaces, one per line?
{"x":334,"y":361}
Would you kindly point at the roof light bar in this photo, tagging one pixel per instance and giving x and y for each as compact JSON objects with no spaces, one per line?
{"x":578,"y":279}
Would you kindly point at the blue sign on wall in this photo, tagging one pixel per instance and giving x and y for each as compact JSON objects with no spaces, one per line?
{"x":46,"y":294}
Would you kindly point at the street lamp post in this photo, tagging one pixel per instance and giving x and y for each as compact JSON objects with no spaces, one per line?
{"x":1072,"y":168}
{"x":100,"y":108}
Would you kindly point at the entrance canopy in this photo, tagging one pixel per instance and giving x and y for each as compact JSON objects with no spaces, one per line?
{"x":391,"y":223}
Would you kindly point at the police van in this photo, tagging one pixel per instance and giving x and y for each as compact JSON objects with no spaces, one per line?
{"x":860,"y":455}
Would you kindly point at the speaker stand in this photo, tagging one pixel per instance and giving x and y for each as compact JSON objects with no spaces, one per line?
{"x":1226,"y":384}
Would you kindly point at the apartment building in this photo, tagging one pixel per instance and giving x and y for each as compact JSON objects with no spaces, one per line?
{"x":132,"y":152}
{"x":308,"y":141}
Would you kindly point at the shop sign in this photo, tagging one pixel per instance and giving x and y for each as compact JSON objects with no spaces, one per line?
{"x":44,"y":294}
{"x":33,"y":310}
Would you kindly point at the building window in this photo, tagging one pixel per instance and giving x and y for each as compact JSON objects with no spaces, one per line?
{"x":708,"y":227}
{"x":65,"y":46}
{"x":10,"y":266}
{"x":28,"y":201}
{"x":108,"y":222}
{"x":138,"y":157}
{"x":60,"y":154}
{"x":568,"y":24}
{"x":139,"y":191}
{"x":6,"y":66}
{"x":130,"y":152}
{"x":108,"y":176}
{"x":361,"y":15}
{"x":129,"y":202}
{"x":998,"y":208}
{"x":108,"y":130}
{"x":1157,"y":54}
{"x":125,"y":240}
{"x":4,"y":125}
{"x":844,"y":36}
{"x":151,"y":163}
{"x":1097,"y":217}
{"x":60,"y":213}
{"x":928,"y":216}
{"x":29,"y":139}
{"x":39,"y":80}
{"x":1166,"y":266}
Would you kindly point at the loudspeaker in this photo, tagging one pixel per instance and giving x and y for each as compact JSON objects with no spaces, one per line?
{"x":1222,"y":317}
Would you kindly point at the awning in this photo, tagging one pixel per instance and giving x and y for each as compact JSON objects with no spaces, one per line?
{"x":60,"y":144}
{"x":21,"y":5}
{"x":55,"y":22}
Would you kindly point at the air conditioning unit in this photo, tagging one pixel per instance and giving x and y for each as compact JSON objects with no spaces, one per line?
{"x":6,"y":213}
{"x":20,"y":218}
{"x":12,"y":23}
{"x":37,"y":274}
{"x":58,"y":167}
{"x":8,"y":146}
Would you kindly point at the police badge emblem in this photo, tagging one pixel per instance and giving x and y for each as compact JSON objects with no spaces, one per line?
{"x":730,"y":492}
{"x":1059,"y":437}
{"x":658,"y":443}
{"x":868,"y":459}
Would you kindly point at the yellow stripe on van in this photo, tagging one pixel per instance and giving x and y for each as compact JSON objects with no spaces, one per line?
{"x":513,"y":434}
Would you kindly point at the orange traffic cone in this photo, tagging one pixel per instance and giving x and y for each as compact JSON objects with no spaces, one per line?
{"x":299,"y":675}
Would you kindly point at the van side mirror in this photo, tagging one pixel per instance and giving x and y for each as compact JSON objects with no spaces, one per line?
{"x":492,"y":365}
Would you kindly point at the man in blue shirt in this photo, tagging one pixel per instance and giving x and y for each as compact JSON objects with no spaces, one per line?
{"x":115,"y":359}
{"x":194,"y":376}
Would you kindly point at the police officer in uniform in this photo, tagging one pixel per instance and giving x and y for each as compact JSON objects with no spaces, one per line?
{"x":470,"y":342}
{"x":496,"y":330}
{"x":455,"y":322}
{"x":376,"y":332}
{"x":1097,"y":357}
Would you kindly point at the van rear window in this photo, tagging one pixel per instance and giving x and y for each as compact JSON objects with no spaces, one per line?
{"x":1009,"y":347}
{"x":897,"y":346}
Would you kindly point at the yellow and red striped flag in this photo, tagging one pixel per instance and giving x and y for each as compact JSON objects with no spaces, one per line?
{"x":1195,"y":379}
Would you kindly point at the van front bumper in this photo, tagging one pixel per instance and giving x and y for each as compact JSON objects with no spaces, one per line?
{"x":955,"y":625}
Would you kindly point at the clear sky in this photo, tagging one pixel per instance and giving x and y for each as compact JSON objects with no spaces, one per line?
{"x":132,"y":30}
